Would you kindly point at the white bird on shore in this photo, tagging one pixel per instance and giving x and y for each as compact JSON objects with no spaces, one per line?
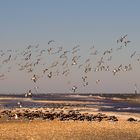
{"x":19,"y":104}
{"x":16,"y":116}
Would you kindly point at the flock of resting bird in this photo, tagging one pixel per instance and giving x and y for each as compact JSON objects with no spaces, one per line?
{"x":33,"y":57}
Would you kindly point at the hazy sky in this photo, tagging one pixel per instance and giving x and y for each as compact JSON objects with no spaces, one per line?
{"x":72,"y":22}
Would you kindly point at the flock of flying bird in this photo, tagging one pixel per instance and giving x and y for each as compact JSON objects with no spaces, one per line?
{"x":34,"y":61}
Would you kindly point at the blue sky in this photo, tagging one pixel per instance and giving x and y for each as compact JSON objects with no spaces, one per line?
{"x":28,"y":21}
{"x":70,"y":22}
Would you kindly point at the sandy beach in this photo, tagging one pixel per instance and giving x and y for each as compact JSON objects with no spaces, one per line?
{"x":71,"y":119}
{"x":12,"y":128}
{"x":69,"y":130}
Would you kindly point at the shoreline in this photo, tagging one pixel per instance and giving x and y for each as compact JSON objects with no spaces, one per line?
{"x":103,"y":103}
{"x":65,"y":113}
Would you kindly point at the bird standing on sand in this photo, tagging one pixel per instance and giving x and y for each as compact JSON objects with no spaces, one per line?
{"x":16,"y":116}
{"x":19,"y":104}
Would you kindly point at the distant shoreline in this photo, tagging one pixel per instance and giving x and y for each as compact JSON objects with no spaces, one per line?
{"x":105,"y":102}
